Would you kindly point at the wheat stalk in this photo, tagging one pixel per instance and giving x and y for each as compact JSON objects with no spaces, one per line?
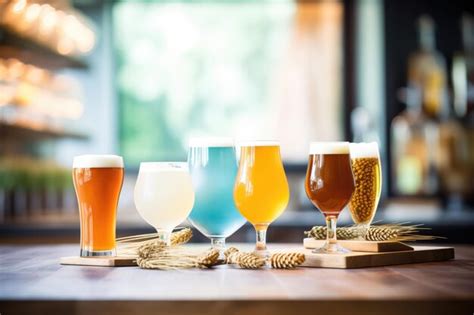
{"x":252,"y":261}
{"x":229,"y":258}
{"x":286,"y":260}
{"x":129,"y":245}
{"x":181,"y":237}
{"x":208,"y":259}
{"x":151,"y":253}
{"x":243,"y":260}
{"x":384,"y":232}
{"x":158,"y":255}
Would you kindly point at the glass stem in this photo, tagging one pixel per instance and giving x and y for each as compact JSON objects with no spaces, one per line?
{"x":261,"y":230}
{"x":164,"y":236}
{"x":331,"y":237}
{"x":219,"y":244}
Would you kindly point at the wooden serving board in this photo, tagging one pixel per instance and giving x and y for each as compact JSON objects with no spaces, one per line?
{"x":354,"y":259}
{"x":361,"y":246}
{"x":103,"y":261}
{"x":418,"y":254}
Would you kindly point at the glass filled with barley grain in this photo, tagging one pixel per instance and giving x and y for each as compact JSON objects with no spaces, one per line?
{"x":366,"y":166}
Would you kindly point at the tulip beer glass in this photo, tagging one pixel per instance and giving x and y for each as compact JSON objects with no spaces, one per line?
{"x":213,"y":167}
{"x":164,"y":195}
{"x":261,"y":190}
{"x":97,"y":181}
{"x":329,"y":185}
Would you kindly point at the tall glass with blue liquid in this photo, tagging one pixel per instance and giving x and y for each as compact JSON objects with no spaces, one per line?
{"x":213,"y":168}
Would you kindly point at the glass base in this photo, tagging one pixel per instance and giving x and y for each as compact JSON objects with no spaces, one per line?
{"x":361,"y":230}
{"x":261,"y":244}
{"x":219,"y":244}
{"x":97,"y":253}
{"x":264,"y":253}
{"x":164,"y":236}
{"x":331,"y":249}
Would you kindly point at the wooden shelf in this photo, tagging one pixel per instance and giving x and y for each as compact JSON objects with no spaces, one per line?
{"x":38,"y":132}
{"x":13,"y":45}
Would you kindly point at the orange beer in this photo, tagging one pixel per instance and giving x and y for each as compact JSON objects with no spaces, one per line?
{"x":98,"y":182}
{"x":261,"y":192}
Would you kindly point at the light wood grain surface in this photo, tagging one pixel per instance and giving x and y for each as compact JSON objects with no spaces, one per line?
{"x":103,"y":261}
{"x":361,"y":246}
{"x":31,"y":278}
{"x":417,"y":254}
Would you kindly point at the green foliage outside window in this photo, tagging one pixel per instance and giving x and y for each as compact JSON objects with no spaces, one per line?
{"x":193,"y":68}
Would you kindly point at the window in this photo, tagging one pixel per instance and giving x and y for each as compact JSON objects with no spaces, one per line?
{"x":251,"y":70}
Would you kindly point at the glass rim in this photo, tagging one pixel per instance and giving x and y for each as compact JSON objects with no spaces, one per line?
{"x":97,"y":161}
{"x":164,"y":166}
{"x":329,"y":147}
{"x":364,"y":149}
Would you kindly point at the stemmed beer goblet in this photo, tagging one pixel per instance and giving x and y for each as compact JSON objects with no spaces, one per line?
{"x":164,"y":195}
{"x":261,"y":190}
{"x":213,"y":167}
{"x":329,"y":185}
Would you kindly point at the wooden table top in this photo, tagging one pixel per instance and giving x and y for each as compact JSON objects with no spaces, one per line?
{"x":31,"y":277}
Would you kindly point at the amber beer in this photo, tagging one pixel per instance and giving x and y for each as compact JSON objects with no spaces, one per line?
{"x":98,"y":182}
{"x":333,"y":183}
{"x":329,"y":185}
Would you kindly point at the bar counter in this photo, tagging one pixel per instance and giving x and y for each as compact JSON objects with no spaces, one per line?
{"x":33,"y":281}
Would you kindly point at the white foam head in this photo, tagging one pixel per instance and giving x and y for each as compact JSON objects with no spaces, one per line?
{"x":210,"y":142}
{"x":364,"y":149}
{"x":258,"y":143}
{"x":97,"y":161}
{"x":163,"y":167}
{"x":329,"y":148}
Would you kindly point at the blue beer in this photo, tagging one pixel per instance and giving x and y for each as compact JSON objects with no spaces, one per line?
{"x":213,"y":168}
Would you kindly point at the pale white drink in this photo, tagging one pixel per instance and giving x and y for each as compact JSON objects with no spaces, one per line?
{"x":164,"y":195}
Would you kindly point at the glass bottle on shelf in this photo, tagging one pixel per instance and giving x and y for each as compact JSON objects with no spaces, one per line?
{"x":415,"y":132}
{"x":462,"y":75}
{"x":414,"y":136}
{"x":452,"y":160}
{"x":427,"y":70}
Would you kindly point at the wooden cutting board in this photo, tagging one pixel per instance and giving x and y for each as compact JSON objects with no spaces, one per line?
{"x":418,"y":254}
{"x":98,"y":261}
{"x":361,"y":246}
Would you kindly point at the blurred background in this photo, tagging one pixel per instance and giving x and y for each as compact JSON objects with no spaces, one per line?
{"x":138,"y":78}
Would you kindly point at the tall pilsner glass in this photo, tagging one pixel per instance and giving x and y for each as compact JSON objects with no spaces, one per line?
{"x":329,"y":185}
{"x":368,"y":184}
{"x":261,"y":190}
{"x":164,"y":195}
{"x":213,"y":167}
{"x":97,"y":181}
